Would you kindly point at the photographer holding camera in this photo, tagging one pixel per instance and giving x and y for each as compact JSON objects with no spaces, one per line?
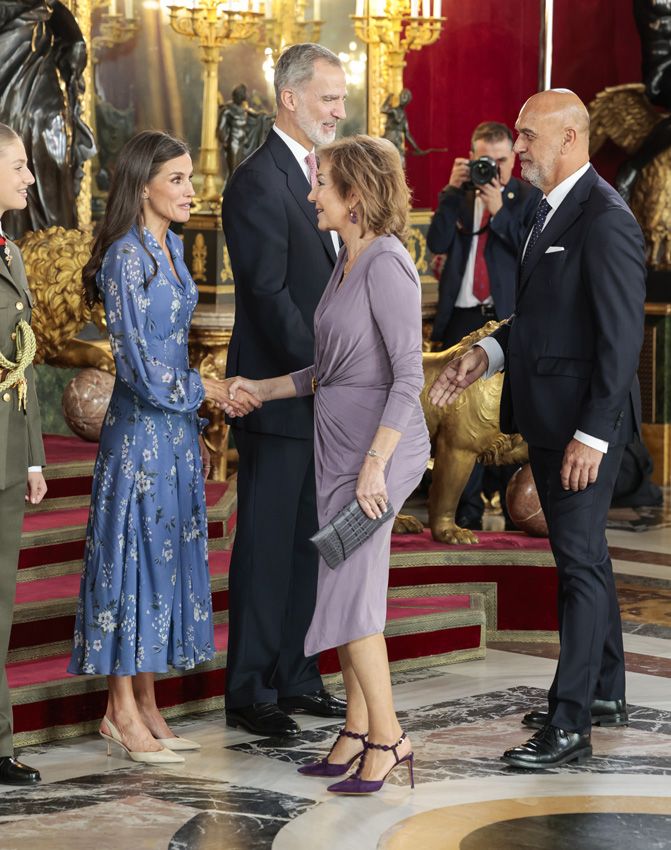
{"x":482,"y":218}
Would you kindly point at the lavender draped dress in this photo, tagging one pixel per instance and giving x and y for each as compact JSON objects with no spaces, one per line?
{"x":368,"y":365}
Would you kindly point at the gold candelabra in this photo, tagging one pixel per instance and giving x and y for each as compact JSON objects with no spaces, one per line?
{"x":391,"y":28}
{"x":286,"y":23}
{"x":114,"y":29}
{"x":214,"y":25}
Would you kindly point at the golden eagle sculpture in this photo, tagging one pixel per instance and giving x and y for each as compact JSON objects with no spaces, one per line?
{"x":625,"y":115}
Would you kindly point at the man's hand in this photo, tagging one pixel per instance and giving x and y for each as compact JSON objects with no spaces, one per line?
{"x":491,"y":195}
{"x":460,"y":173}
{"x":36,"y":488}
{"x":457,"y":375}
{"x":580,"y":466}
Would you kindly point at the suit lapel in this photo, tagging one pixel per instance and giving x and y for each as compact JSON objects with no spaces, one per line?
{"x":567,"y":213}
{"x":299,"y":187}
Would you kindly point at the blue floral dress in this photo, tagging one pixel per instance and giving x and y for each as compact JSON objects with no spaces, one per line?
{"x":145,"y":599}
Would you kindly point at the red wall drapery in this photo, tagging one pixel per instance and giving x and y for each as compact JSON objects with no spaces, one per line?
{"x":486,"y":64}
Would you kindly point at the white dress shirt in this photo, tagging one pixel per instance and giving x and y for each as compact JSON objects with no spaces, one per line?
{"x":300,"y":153}
{"x":30,"y":468}
{"x":466,"y":299}
{"x":490,"y":345}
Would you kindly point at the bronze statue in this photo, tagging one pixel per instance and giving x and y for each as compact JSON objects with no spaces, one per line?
{"x":653,"y":19}
{"x":461,"y":433}
{"x":242,"y":127}
{"x":42,"y":61}
{"x":396,"y":128}
{"x":625,"y":115}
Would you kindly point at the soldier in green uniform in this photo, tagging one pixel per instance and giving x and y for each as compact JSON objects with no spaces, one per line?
{"x":21,"y":449}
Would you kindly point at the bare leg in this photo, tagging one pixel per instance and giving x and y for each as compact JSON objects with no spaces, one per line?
{"x":145,"y":697}
{"x":357,"y":714}
{"x":122,"y":710}
{"x":371,"y":667}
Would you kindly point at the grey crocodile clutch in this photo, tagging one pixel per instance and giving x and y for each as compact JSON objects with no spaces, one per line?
{"x":348,"y":529}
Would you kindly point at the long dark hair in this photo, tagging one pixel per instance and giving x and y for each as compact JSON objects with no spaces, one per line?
{"x":139,"y":160}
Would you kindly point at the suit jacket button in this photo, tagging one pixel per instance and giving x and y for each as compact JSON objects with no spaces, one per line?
{"x":7,"y":397}
{"x":19,"y":305}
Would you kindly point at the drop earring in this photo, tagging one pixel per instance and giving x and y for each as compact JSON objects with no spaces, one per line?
{"x":353,"y":217}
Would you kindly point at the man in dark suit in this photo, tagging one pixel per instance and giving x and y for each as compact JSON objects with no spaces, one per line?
{"x":571,"y":352}
{"x":480,"y":230}
{"x":281,"y":263}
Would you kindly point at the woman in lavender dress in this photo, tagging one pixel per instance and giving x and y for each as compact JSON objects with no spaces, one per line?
{"x":145,"y":598}
{"x":371,"y":440}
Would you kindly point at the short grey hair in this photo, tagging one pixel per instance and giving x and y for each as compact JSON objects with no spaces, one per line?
{"x":296,"y":66}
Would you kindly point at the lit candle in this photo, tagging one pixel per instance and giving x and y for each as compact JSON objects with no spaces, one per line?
{"x":317,"y":10}
{"x":358,"y":12}
{"x":426,"y":8}
{"x":436,"y":8}
{"x":414,"y":8}
{"x":113,"y":9}
{"x":128,"y":9}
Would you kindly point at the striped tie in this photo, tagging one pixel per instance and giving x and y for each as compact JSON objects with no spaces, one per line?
{"x":541,"y":214}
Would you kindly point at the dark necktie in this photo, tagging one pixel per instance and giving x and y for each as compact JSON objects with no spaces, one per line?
{"x":539,"y":220}
{"x":481,"y":287}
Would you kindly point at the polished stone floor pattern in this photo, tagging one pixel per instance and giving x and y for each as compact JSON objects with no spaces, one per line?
{"x":242,"y":792}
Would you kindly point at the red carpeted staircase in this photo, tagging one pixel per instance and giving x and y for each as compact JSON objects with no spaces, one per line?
{"x":437,"y":618}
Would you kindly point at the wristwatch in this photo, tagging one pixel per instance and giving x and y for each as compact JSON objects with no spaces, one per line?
{"x":374,"y":453}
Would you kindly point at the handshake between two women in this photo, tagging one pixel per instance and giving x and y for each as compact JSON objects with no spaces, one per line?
{"x":239,"y":396}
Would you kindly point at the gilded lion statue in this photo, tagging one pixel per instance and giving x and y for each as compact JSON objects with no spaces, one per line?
{"x":461,"y":433}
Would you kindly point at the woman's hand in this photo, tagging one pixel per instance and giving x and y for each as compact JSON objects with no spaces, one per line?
{"x":232,"y":403}
{"x":205,"y":457}
{"x":36,"y":488}
{"x":243,"y":387}
{"x":371,"y":488}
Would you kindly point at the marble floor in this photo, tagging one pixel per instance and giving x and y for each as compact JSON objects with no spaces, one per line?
{"x":242,"y":792}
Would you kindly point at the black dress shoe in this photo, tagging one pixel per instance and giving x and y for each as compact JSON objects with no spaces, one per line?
{"x":605,"y":712}
{"x":12,"y":772}
{"x":320,"y":703}
{"x":263,"y":718}
{"x":550,"y":747}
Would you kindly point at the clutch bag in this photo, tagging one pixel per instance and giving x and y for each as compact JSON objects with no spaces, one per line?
{"x":348,"y":529}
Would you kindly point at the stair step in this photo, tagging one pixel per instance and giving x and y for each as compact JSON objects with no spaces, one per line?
{"x":50,"y":704}
{"x":55,"y":539}
{"x":44,"y":614}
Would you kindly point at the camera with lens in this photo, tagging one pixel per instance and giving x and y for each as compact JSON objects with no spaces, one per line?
{"x":482,"y":170}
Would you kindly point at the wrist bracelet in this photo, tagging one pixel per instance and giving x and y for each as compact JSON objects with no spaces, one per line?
{"x":374,"y":453}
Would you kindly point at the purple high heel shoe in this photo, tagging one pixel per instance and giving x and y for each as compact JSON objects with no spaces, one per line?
{"x":356,"y":785}
{"x":326,"y":768}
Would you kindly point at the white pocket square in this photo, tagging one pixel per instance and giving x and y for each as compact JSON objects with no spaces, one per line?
{"x":553,"y":249}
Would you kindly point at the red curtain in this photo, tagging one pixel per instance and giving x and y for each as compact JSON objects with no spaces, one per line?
{"x":486,"y":64}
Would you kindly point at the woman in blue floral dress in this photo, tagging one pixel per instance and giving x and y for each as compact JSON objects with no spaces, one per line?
{"x":145,"y":598}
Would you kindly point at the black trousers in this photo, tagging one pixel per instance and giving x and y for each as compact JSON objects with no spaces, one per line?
{"x":273,"y":574}
{"x":591,"y":658}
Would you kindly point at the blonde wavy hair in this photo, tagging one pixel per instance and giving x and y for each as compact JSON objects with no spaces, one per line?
{"x":372,"y":168}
